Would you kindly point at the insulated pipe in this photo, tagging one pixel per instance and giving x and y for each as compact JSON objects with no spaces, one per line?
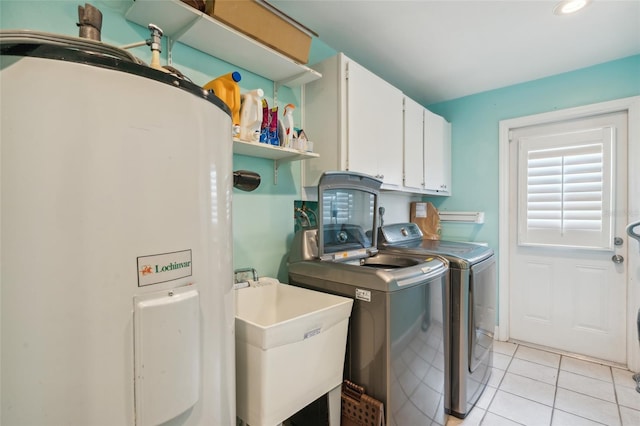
{"x":90,"y":22}
{"x":155,"y":43}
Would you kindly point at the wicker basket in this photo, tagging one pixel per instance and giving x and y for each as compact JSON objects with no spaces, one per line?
{"x":359,"y":409}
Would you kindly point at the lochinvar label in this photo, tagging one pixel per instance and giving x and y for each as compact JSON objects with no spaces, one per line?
{"x":164,"y":267}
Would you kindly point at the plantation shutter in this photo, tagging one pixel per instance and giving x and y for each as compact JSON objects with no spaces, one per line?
{"x":566,"y":190}
{"x":338,"y":207}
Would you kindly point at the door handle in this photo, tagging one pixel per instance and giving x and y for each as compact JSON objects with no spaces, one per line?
{"x":616,"y":258}
{"x":631,"y":231}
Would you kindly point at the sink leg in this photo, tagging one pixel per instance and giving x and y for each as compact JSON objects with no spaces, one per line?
{"x":334,"y":402}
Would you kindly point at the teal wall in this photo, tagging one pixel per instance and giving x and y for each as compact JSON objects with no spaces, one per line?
{"x":263,"y":220}
{"x":475,"y":125}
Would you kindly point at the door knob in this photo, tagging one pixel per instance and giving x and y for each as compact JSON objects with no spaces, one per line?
{"x":616,"y":258}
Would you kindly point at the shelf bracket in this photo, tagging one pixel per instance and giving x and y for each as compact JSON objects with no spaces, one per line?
{"x":275,"y":172}
{"x":275,"y":93}
{"x":300,"y":79}
{"x":170,"y":42}
{"x":176,"y":36}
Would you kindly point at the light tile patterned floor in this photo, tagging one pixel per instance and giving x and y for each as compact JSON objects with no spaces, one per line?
{"x":534,"y":387}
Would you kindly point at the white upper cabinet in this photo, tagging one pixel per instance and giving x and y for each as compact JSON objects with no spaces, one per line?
{"x":413,"y":146}
{"x":374,"y":125}
{"x":355,"y":120}
{"x":437,"y":154}
{"x":427,"y":151}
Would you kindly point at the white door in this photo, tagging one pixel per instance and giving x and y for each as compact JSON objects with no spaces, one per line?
{"x":437,"y":153}
{"x":568,"y":204}
{"x":374,"y":125}
{"x":413,"y":144}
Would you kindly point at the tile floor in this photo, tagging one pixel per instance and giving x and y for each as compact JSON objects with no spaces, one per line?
{"x":534,"y":387}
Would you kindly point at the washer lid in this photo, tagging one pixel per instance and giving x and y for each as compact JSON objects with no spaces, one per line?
{"x":347,"y":206}
{"x":472,"y":253}
{"x":384,"y":272}
{"x":407,"y":238}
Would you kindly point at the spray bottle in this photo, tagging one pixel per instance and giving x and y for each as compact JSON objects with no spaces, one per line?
{"x":264,"y":127}
{"x":251,"y":115}
{"x":226,"y":88}
{"x":287,"y":137}
{"x":272,"y":134}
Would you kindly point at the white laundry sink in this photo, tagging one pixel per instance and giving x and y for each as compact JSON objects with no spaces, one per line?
{"x":290,"y":347}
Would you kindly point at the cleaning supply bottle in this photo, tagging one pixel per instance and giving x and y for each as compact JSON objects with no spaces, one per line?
{"x":272,"y":134}
{"x":287,"y":137}
{"x":251,"y":115}
{"x":264,"y":127}
{"x":226,"y":88}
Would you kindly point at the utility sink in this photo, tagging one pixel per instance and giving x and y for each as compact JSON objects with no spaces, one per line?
{"x":290,"y":347}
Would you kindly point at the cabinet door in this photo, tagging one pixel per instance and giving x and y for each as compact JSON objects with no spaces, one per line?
{"x":437,"y":153}
{"x":446,"y":157}
{"x":374,"y":125}
{"x":390,"y":152}
{"x":413,"y":145}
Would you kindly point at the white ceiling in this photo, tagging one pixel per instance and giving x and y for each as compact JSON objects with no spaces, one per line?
{"x":440,"y":50}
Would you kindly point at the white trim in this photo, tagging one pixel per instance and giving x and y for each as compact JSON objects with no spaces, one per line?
{"x":632,"y":106}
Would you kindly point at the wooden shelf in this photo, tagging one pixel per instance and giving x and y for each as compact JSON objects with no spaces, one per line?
{"x":276,"y":153}
{"x":187,"y":25}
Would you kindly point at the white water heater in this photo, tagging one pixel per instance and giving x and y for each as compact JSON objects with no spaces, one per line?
{"x":116,"y":250}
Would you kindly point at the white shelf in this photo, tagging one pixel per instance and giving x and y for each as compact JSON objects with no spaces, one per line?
{"x":187,"y":25}
{"x":276,"y":153}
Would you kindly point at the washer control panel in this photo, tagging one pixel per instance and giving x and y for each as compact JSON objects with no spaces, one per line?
{"x":399,"y":233}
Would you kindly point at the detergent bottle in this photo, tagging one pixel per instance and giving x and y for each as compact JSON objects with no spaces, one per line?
{"x":272,"y":134}
{"x":287,"y":137}
{"x":226,"y":88}
{"x":251,"y":115}
{"x":266,"y":119}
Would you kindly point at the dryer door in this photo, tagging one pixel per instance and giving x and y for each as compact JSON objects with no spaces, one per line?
{"x":482,"y":312}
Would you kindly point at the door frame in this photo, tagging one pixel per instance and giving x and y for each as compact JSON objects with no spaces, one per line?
{"x":632,"y":106}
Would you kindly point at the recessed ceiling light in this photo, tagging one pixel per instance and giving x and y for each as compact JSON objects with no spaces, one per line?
{"x":566,"y":7}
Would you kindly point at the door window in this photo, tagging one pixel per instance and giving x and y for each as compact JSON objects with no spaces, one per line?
{"x":566,"y":190}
